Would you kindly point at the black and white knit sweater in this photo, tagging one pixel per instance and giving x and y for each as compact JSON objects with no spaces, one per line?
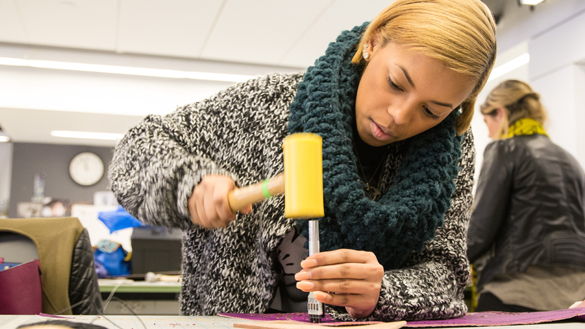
{"x":239,"y":133}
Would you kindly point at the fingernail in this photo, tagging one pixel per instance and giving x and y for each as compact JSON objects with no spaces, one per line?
{"x":303,"y":275}
{"x":304,"y":285}
{"x":321,"y":296}
{"x":308,"y":263}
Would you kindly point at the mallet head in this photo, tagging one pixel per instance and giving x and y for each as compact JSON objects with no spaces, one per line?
{"x":303,"y":174}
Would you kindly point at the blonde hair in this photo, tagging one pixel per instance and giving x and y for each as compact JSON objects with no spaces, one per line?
{"x":461,"y":34}
{"x":518,"y":100}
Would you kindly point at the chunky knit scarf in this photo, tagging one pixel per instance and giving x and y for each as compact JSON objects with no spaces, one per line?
{"x":414,"y":206}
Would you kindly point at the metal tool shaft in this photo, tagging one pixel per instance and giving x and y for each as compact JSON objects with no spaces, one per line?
{"x":314,"y":306}
{"x":313,"y":236}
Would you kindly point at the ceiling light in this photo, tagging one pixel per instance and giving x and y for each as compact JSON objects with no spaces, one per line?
{"x":86,"y":135}
{"x":530,"y":2}
{"x":160,"y":73}
{"x":509,"y":66}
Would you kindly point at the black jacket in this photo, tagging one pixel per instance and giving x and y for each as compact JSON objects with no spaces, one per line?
{"x":529,"y":207}
{"x":84,"y":292}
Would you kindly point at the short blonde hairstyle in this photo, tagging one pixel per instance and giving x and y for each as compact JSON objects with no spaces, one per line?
{"x":518,"y":100}
{"x":461,"y":34}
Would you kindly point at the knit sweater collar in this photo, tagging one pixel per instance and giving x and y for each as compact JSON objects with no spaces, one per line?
{"x":413,"y":207}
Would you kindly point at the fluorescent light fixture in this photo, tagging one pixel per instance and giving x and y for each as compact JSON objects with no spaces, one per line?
{"x":160,"y":73}
{"x":86,"y":135}
{"x":531,"y":2}
{"x":509,"y":66}
{"x":4,"y":139}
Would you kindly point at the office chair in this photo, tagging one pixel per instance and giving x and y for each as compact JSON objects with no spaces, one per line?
{"x":62,"y":245}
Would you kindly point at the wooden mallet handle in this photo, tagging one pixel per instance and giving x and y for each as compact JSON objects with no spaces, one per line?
{"x":242,"y":197}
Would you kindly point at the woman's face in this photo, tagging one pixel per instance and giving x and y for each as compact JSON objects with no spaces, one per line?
{"x":493,"y":125}
{"x":402,"y":94}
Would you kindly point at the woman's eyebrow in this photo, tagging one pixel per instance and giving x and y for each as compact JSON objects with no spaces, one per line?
{"x":413,"y":87}
{"x":442,"y":104}
{"x":407,"y":76}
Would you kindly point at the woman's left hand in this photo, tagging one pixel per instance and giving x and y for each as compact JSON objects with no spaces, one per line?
{"x":344,"y":277}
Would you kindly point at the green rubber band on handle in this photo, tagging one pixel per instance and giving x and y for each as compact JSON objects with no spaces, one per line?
{"x":265,"y":191}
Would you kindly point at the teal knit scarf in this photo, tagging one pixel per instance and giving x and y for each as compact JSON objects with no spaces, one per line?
{"x":408,"y":213}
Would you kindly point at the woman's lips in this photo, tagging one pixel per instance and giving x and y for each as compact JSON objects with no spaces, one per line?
{"x":378,"y":133}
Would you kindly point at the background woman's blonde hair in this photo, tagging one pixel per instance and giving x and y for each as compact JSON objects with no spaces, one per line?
{"x":518,"y":100}
{"x":459,"y":33}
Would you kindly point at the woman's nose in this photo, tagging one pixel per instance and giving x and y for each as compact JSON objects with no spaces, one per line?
{"x":401,"y":112}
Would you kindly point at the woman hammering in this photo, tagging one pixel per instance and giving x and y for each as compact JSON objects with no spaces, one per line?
{"x":392,"y":101}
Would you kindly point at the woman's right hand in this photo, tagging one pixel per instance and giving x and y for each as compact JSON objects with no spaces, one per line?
{"x":208,"y":205}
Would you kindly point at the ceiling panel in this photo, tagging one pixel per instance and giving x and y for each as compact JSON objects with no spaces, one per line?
{"x":39,"y":124}
{"x":166,"y":27}
{"x":71,"y":23}
{"x":260,"y":31}
{"x":342,"y":15}
{"x":11,"y":27}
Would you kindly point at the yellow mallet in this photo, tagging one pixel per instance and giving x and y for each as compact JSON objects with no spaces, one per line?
{"x":301,"y":182}
{"x":302,"y":185}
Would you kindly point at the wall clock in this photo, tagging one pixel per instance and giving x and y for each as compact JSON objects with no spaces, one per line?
{"x":86,"y":168}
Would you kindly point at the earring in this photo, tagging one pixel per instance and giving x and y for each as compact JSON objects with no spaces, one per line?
{"x":365,"y":51}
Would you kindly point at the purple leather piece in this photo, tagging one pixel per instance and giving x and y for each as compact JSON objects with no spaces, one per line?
{"x":484,"y":319}
{"x":301,"y":317}
{"x":479,"y":319}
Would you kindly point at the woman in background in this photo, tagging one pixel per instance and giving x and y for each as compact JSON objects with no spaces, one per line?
{"x":392,"y":100}
{"x":529,"y":210}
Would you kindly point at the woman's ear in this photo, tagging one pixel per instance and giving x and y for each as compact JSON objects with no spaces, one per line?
{"x":500,"y":114}
{"x":373,"y":45}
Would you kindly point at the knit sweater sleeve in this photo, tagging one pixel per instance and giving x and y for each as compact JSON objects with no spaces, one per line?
{"x":432,"y":284}
{"x":158,"y":163}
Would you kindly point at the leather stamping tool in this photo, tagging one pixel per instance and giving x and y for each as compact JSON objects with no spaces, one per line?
{"x":302,"y":185}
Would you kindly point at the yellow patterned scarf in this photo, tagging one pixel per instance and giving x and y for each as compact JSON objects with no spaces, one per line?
{"x":526,"y":126}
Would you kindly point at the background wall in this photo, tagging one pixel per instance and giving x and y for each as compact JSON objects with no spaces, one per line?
{"x":557,"y":76}
{"x":52,"y":160}
{"x":5,"y":176}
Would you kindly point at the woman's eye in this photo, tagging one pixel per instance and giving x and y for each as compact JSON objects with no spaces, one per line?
{"x":393,"y":85}
{"x":429,"y":113}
